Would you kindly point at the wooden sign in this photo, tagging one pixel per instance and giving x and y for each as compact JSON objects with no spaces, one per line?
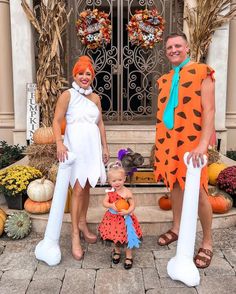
{"x":32,"y":112}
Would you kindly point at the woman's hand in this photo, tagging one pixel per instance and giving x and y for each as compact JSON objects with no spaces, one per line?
{"x":105,"y":155}
{"x":61,"y":151}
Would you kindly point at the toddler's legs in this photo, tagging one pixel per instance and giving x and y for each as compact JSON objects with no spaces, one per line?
{"x":128,"y":259}
{"x":116,"y":254}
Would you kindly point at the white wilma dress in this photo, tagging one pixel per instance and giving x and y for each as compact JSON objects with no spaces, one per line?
{"x":82,"y":137}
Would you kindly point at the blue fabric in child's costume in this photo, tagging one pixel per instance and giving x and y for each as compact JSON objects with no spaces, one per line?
{"x":133,"y":240}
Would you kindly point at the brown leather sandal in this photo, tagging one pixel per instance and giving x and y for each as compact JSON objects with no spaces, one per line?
{"x":206,"y":260}
{"x":167,"y":240}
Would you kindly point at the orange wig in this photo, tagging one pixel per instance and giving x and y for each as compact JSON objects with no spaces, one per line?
{"x":82,"y":64}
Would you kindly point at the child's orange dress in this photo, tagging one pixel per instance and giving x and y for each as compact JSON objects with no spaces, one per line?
{"x":112,"y":226}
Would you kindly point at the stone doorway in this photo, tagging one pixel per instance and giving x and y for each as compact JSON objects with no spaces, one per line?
{"x":125,"y":74}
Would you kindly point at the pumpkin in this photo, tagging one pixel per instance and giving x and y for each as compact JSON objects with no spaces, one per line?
{"x":68,"y":200}
{"x":63,"y":126}
{"x":3,"y":218}
{"x":40,"y":190}
{"x":122,"y":204}
{"x":17,"y":225}
{"x":44,"y":135}
{"x":214,"y":170}
{"x":37,"y":207}
{"x":221,"y":202}
{"x":165,"y":202}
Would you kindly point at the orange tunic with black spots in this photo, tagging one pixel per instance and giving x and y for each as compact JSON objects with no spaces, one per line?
{"x":113,"y":226}
{"x":171,"y":145}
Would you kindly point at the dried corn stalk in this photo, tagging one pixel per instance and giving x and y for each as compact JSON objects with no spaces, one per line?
{"x":203,"y":20}
{"x":50,"y":20}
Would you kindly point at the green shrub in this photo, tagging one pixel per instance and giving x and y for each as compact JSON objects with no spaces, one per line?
{"x":10,"y":153}
{"x":231,"y":154}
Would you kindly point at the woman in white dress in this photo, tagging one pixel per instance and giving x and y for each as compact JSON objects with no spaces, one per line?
{"x":85,"y":137}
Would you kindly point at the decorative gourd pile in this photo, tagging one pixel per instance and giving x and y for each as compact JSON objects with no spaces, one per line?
{"x":3,"y":218}
{"x":40,"y":193}
{"x":17,"y":225}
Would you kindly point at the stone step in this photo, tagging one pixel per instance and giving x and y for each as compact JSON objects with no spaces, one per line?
{"x":152,"y":219}
{"x":139,"y":138}
{"x":144,"y":196}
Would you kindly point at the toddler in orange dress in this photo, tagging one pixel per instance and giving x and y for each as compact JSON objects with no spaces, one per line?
{"x":119,"y":224}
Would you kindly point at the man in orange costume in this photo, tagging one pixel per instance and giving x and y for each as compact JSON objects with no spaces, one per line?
{"x":185,"y":122}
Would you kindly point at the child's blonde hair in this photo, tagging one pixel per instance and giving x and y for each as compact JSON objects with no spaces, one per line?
{"x":115,"y":167}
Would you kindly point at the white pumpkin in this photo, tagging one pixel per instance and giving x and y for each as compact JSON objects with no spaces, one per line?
{"x":40,"y":190}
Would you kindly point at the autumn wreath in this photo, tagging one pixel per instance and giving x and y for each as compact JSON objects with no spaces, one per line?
{"x":94,"y":28}
{"x":145,"y":28}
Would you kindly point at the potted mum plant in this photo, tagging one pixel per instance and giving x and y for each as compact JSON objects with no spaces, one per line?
{"x":13,"y":184}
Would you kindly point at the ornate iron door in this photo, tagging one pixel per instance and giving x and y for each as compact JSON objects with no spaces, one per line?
{"x":125,"y":74}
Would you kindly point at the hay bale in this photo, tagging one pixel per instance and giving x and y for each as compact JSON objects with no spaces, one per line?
{"x":42,"y":150}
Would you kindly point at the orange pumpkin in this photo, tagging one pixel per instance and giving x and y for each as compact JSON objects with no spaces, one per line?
{"x":221,"y":202}
{"x":63,"y":126}
{"x":122,"y":204}
{"x":165,"y":202}
{"x":44,"y":135}
{"x":37,"y":207}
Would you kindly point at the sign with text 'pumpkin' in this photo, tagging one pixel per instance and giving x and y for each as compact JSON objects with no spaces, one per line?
{"x":32,"y":112}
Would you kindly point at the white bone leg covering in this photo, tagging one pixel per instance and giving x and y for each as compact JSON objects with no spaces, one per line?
{"x":48,"y":249}
{"x":181,"y":267}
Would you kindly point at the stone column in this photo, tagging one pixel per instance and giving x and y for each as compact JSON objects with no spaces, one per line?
{"x":23,"y":66}
{"x":217,"y":58}
{"x":6,"y":82}
{"x":231,"y":87}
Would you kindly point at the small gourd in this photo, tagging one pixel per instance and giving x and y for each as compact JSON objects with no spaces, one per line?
{"x":122,"y":204}
{"x":37,"y":207}
{"x":165,"y":202}
{"x":40,"y":190}
{"x":3,"y":218}
{"x":44,"y":135}
{"x":214,"y":170}
{"x":18,"y":225}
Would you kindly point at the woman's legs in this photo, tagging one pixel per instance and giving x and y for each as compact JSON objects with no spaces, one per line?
{"x":76,"y":204}
{"x":88,"y":236}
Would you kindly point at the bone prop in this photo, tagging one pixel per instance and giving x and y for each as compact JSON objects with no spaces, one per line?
{"x":181,"y":267}
{"x":48,"y":249}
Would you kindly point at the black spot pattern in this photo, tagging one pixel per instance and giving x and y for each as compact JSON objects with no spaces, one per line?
{"x":174,"y":171}
{"x":197,"y":113}
{"x":192,"y":138}
{"x":186,"y":85}
{"x":186,"y":99}
{"x":163,"y":99}
{"x":180,"y":129}
{"x":167,"y":151}
{"x":168,"y":135}
{"x":198,"y":93}
{"x":179,"y":143}
{"x":197,"y":127}
{"x":176,"y":157}
{"x":161,"y":140}
{"x":192,"y":71}
{"x":182,"y":114}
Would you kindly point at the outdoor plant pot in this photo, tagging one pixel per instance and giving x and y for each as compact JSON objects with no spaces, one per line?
{"x":16,"y":202}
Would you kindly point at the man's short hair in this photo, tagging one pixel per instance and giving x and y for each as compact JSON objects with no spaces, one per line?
{"x":174,"y":35}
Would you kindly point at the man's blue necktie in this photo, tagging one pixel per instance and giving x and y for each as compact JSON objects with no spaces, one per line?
{"x":168,"y":116}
